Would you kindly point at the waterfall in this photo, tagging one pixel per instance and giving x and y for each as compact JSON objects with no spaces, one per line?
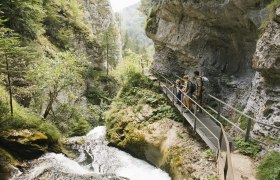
{"x":96,"y":160}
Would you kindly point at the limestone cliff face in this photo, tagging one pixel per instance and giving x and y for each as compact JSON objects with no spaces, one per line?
{"x":264,"y":99}
{"x":219,"y":38}
{"x":98,"y":15}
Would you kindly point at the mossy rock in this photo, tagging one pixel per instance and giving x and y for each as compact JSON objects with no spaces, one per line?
{"x":25,"y":144}
{"x":134,"y":142}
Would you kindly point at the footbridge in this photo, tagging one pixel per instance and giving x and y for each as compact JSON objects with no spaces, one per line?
{"x":208,"y":126}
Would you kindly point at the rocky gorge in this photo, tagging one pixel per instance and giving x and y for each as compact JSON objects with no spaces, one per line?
{"x":223,"y":40}
{"x":234,"y":43}
{"x":56,"y":32}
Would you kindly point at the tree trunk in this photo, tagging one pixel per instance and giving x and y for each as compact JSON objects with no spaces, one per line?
{"x":49,"y":107}
{"x":10,"y":86}
{"x":107,"y":55}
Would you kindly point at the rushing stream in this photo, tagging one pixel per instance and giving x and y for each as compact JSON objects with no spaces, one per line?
{"x":96,"y":160}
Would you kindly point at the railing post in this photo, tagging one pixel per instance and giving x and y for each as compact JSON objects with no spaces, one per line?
{"x":194,"y":125}
{"x":230,"y":146}
{"x":173,"y":95}
{"x":249,"y":125}
{"x":219,"y":111}
{"x":226,"y":168}
{"x":220,"y":139}
{"x":182,"y":101}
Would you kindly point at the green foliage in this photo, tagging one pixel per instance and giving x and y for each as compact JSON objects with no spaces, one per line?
{"x":23,"y":118}
{"x":209,"y":154}
{"x":269,"y":167}
{"x":64,"y":23}
{"x":212,"y":178}
{"x":127,"y":67}
{"x":109,"y":45}
{"x":14,"y":58}
{"x":248,"y":148}
{"x":165,"y":111}
{"x":179,"y":135}
{"x":100,"y":87}
{"x":243,"y":122}
{"x":151,"y":22}
{"x":25,"y":17}
{"x":135,"y":79}
{"x":271,"y":7}
{"x":79,"y":127}
{"x":274,"y":4}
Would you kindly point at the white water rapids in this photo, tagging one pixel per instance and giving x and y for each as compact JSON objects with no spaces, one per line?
{"x":96,"y":160}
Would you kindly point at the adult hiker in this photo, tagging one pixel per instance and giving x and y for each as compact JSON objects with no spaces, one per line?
{"x":198,"y":90}
{"x":178,"y":87}
{"x":188,"y":91}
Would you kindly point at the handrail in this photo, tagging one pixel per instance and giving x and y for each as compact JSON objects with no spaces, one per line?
{"x":249,"y":125}
{"x":203,"y":109}
{"x":192,"y":113}
{"x":243,"y":114}
{"x":166,"y":79}
{"x":227,"y":120}
{"x":227,"y":169}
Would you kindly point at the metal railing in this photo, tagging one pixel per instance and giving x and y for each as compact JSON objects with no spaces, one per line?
{"x":226,"y":163}
{"x":250,"y":119}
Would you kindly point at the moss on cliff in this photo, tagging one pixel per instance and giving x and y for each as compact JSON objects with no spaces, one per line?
{"x":23,"y":119}
{"x":151,"y":22}
{"x":174,"y":162}
{"x":138,"y":104}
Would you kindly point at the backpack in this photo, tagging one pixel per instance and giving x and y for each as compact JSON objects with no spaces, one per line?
{"x":193,"y":87}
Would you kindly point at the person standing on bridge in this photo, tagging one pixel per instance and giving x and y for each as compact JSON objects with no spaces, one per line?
{"x":178,"y":86}
{"x":187,"y":92}
{"x":199,"y":89}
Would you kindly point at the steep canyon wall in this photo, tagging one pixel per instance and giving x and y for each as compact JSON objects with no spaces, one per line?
{"x":219,"y":38}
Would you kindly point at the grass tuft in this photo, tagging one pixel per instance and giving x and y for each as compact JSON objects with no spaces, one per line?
{"x":269,"y":167}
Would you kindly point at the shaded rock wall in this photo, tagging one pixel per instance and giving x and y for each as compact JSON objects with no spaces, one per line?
{"x":216,"y":37}
{"x":219,"y":38}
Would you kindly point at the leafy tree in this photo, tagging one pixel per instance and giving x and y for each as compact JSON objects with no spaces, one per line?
{"x":54,"y":75}
{"x":110,"y":46}
{"x":129,"y":65}
{"x":13,"y":58}
{"x":24,"y":16}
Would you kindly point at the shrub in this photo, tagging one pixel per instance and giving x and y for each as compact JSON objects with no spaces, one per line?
{"x":79,"y":128}
{"x":209,"y":154}
{"x":271,"y":7}
{"x":269,"y":167}
{"x":248,"y":148}
{"x":137,"y":80}
{"x":23,"y":119}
